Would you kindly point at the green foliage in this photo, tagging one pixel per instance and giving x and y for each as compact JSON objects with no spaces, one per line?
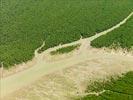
{"x":64,"y":50}
{"x":121,"y":89}
{"x":25,"y":24}
{"x":122,"y":37}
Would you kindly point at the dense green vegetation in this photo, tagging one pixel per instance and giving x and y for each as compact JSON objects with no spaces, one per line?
{"x":122,"y":37}
{"x":25,"y":24}
{"x":121,"y":89}
{"x":64,"y":50}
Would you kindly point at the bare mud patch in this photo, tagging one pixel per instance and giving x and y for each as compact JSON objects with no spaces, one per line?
{"x":70,"y":82}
